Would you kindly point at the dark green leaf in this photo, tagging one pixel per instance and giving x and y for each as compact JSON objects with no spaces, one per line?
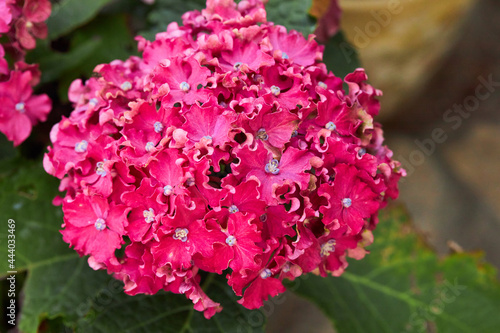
{"x":402,"y":286}
{"x":7,"y":149}
{"x":70,"y":14}
{"x":167,"y":11}
{"x":115,"y":41}
{"x":293,"y":14}
{"x":340,"y":57}
{"x":54,"y":64}
{"x":26,"y":194}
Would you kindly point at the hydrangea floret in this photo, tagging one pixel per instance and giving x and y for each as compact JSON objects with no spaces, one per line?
{"x":20,"y":110}
{"x":227,"y":147}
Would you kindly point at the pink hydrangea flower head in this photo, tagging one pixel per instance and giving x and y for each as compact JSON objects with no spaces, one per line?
{"x":228,"y":148}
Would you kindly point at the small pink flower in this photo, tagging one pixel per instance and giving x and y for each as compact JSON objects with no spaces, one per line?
{"x":19,"y":109}
{"x":31,"y":25}
{"x":180,"y":80}
{"x":350,"y":200}
{"x":94,"y":227}
{"x":273,"y":172}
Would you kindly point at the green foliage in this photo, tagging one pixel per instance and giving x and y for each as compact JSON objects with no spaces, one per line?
{"x":340,"y":57}
{"x":292,"y":14}
{"x":402,"y":286}
{"x":103,"y":40}
{"x":167,"y":11}
{"x":68,"y":15}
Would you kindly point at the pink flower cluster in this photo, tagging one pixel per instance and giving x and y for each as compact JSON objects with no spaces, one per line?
{"x":228,"y":148}
{"x":22,"y":21}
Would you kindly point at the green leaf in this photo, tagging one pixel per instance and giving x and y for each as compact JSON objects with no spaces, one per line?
{"x":61,"y":290}
{"x":115,"y":41}
{"x":293,"y":14}
{"x":339,"y":56}
{"x":68,"y":15}
{"x":54,"y":64}
{"x":7,"y":149}
{"x":167,"y":11}
{"x":402,"y":286}
{"x":103,"y":40}
{"x":26,"y":194}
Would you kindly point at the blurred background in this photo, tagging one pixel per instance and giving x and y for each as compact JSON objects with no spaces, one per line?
{"x":438,"y":64}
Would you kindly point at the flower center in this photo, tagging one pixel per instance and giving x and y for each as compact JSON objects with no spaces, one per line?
{"x":331,"y":126}
{"x":258,"y":79}
{"x":237,"y":65}
{"x":322,"y":85}
{"x":81,"y":147}
{"x":262,"y":135}
{"x":99,"y":169}
{"x":184,"y":86}
{"x":286,"y":267}
{"x":149,"y":215}
{"x":272,"y":166}
{"x":167,"y":190}
{"x":20,"y":107}
{"x":294,"y":133}
{"x":181,"y":234}
{"x":361,"y":152}
{"x":158,"y":127}
{"x":263,"y":218}
{"x":126,"y":86}
{"x":328,"y":247}
{"x":275,"y":91}
{"x":346,"y":202}
{"x":266,"y":273}
{"x":149,"y":146}
{"x":230,"y":240}
{"x":100,"y":224}
{"x":190,"y":181}
{"x":93,"y":101}
{"x":233,"y":209}
{"x":284,"y":55}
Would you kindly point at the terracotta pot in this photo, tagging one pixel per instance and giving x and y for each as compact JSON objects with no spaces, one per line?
{"x":401,"y":42}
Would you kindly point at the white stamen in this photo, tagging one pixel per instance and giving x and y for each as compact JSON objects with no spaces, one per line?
{"x":158,"y":127}
{"x":81,"y":147}
{"x":149,"y":215}
{"x":331,"y":126}
{"x":346,"y":202}
{"x":126,"y":86}
{"x":233,"y":209}
{"x":328,"y":247}
{"x":184,"y":86}
{"x":100,"y":224}
{"x":20,"y":107}
{"x":272,"y":167}
{"x":266,"y":273}
{"x":167,"y":190}
{"x":181,"y":234}
{"x":149,"y":146}
{"x":230,"y":240}
{"x":275,"y":91}
{"x":262,"y":135}
{"x":99,"y":169}
{"x":322,"y":85}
